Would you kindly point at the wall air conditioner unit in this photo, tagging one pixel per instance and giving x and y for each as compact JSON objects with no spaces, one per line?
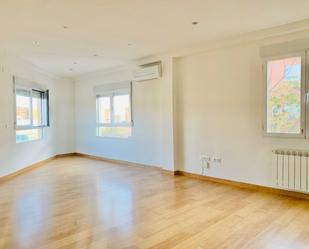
{"x":148,"y":71}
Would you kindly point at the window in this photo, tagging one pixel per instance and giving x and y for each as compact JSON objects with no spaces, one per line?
{"x":28,"y":135}
{"x":114,"y":117}
{"x":285,"y":96}
{"x":32,"y":113}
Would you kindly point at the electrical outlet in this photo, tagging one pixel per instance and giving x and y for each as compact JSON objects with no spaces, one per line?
{"x":217,"y":160}
{"x":4,"y":126}
{"x":205,"y":160}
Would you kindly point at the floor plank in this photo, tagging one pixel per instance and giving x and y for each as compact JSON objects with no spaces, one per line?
{"x":76,"y":202}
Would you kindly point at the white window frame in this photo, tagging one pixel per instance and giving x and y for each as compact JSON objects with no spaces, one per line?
{"x":111,"y":95}
{"x":45,"y":114}
{"x":304,"y":95}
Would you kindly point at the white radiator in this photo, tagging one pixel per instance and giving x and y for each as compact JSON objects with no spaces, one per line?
{"x":291,"y":169}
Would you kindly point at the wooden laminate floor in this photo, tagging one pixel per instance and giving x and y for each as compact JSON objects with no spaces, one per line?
{"x":77,"y":202}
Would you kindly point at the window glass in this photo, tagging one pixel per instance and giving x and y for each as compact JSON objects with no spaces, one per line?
{"x":284,"y":96}
{"x":104,"y":109}
{"x":37,"y":108}
{"x":122,"y":108}
{"x":28,"y":135}
{"x":120,"y":132}
{"x":23,"y":108}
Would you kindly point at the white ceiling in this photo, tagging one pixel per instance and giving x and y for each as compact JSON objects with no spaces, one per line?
{"x":118,"y":31}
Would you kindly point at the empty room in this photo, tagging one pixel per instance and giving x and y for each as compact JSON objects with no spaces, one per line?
{"x":166,"y":124}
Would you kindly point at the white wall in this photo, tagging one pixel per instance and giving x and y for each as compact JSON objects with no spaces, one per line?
{"x":57,"y":139}
{"x":151,"y":142}
{"x":219,"y":107}
{"x":208,"y":103}
{"x":64,"y":96}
